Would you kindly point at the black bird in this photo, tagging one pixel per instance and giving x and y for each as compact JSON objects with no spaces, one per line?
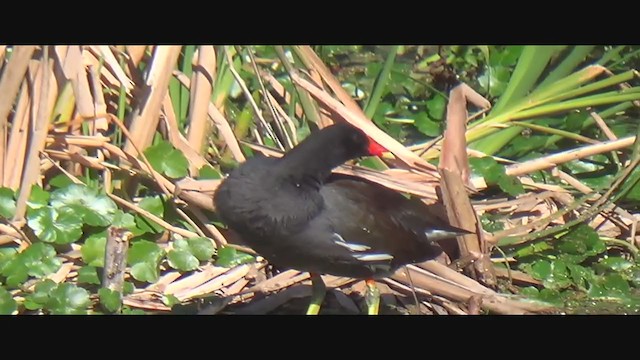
{"x":295,"y":213}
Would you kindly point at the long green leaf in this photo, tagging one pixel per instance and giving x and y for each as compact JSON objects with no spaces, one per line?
{"x":531,"y":64}
{"x":577,"y":56}
{"x":380,"y":84}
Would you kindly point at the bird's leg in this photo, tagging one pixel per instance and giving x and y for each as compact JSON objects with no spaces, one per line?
{"x":372,"y":297}
{"x":318,"y":290}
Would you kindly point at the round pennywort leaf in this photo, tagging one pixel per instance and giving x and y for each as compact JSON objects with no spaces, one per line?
{"x":95,"y":209}
{"x":182,"y":260}
{"x":68,"y":299}
{"x":7,"y":304}
{"x":61,"y":226}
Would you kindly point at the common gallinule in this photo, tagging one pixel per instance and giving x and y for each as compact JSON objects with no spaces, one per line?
{"x":295,"y":213}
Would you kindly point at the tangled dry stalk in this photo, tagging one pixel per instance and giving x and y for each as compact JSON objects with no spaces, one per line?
{"x":52,"y":93}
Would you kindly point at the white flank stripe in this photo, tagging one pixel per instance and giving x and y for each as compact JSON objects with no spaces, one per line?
{"x":373,"y":257}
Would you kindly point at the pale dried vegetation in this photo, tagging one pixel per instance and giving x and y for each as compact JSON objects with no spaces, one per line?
{"x":51,"y":93}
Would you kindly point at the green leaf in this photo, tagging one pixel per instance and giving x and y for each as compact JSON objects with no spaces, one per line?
{"x":93,"y":249}
{"x":585,"y":239}
{"x":145,"y":271}
{"x":495,"y":79}
{"x":129,"y":311}
{"x":437,"y":107}
{"x":170,"y":300}
{"x":530,"y":292}
{"x":6,"y":255}
{"x":60,"y":226}
{"x":7,"y":203}
{"x":128,"y":288}
{"x":7,"y":304}
{"x":68,"y":299}
{"x":60,"y":181}
{"x":181,"y":244}
{"x":144,"y":258}
{"x":494,"y":173}
{"x":201,"y":247}
{"x":182,"y":260}
{"x":38,"y":198}
{"x":88,"y":275}
{"x":155,"y":206}
{"x":427,"y":126}
{"x":486,"y":166}
{"x":541,"y":269}
{"x":40,"y":296}
{"x":597,"y":291}
{"x":165,"y":159}
{"x":144,"y":251}
{"x":95,"y":209}
{"x":616,"y":283}
{"x":616,"y":263}
{"x":533,"y":248}
{"x":511,"y":185}
{"x":208,"y":172}
{"x":124,"y":220}
{"x":230,"y":257}
{"x":110,"y":299}
{"x":580,"y":275}
{"x":37,"y":260}
{"x":559,"y":278}
{"x":551,"y":296}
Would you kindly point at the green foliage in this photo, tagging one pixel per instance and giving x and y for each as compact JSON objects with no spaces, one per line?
{"x":207,"y":172}
{"x":60,"y":226}
{"x":230,"y":257}
{"x":564,"y":267}
{"x":144,"y":258}
{"x":494,"y":174}
{"x":182,"y":260}
{"x":543,"y":98}
{"x":85,"y":203}
{"x":155,"y":206}
{"x":7,"y":304}
{"x":93,"y":249}
{"x":7,"y":203}
{"x":88,"y":275}
{"x":60,"y":181}
{"x":187,"y":254}
{"x":38,"y":198}
{"x":37,"y":260}
{"x":110,"y":299}
{"x":61,"y":299}
{"x":68,"y":299}
{"x":167,"y":160}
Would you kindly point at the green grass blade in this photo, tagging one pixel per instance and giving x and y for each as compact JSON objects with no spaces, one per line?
{"x":308,"y":105}
{"x":552,"y":131}
{"x":380,"y":83}
{"x":531,"y":64}
{"x":610,"y":55}
{"x":224,"y":79}
{"x":577,"y":56}
{"x":496,"y":141}
{"x":610,"y":81}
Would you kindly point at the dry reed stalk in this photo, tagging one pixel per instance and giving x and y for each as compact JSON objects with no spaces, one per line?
{"x":145,"y":116}
{"x":196,"y":161}
{"x":41,"y":96}
{"x":17,"y":145}
{"x":12,"y":77}
{"x":204,"y":73}
{"x":221,"y":123}
{"x":314,"y":62}
{"x":136,"y":53}
{"x":569,"y":155}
